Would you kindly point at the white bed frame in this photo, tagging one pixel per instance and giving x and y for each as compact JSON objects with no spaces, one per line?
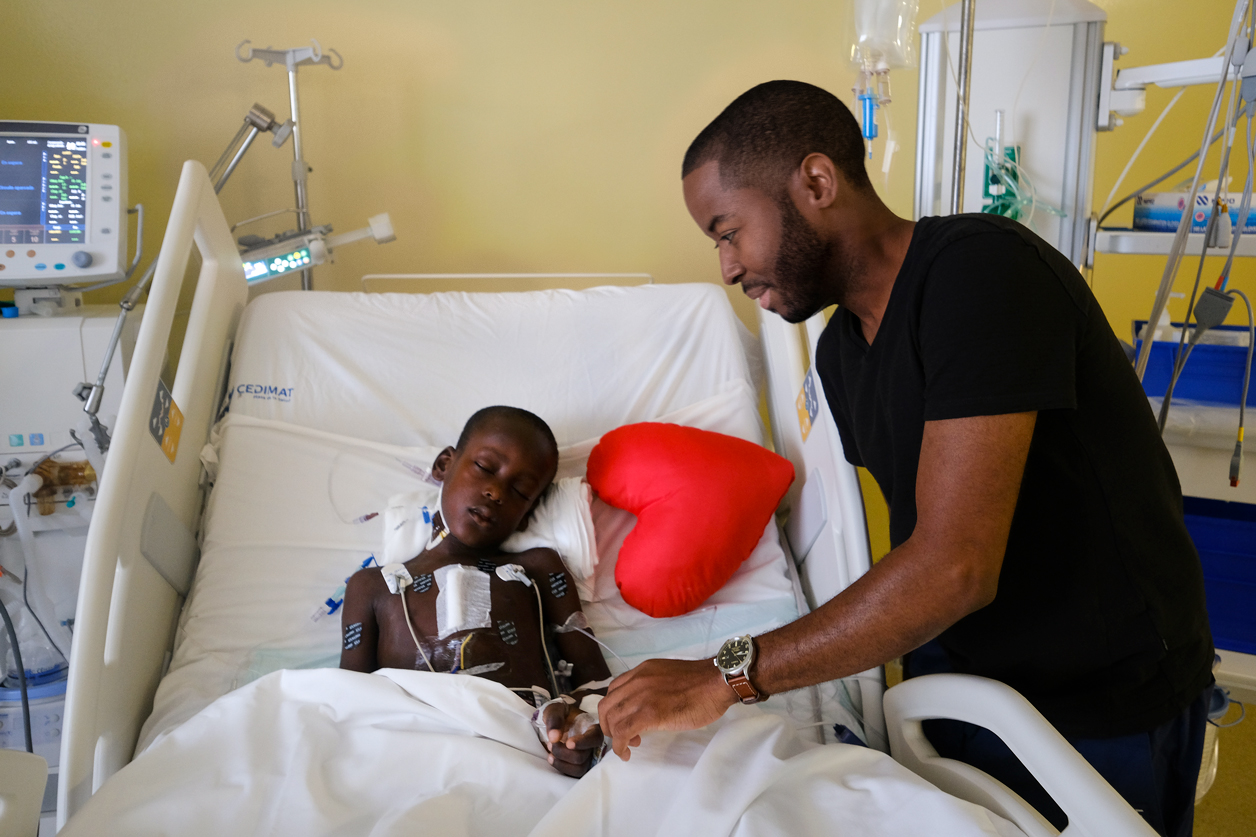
{"x":141,"y":552}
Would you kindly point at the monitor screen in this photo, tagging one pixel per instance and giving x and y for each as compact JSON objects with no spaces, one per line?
{"x":268,"y":268}
{"x":43,"y":190}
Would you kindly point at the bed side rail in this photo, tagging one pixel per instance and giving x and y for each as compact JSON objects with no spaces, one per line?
{"x":1094,"y":809}
{"x":141,"y":546}
{"x":825,"y":526}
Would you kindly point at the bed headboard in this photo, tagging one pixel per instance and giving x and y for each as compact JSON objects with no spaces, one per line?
{"x":141,"y":548}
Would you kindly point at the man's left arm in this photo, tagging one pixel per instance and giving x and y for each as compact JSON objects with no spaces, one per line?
{"x":966,"y":491}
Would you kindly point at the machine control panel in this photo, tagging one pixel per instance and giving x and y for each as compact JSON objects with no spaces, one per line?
{"x":63,"y":201}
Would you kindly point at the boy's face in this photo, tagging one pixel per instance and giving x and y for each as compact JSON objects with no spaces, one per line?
{"x":492,"y":484}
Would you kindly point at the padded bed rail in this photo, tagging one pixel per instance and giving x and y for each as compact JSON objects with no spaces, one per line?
{"x":1093,"y":808}
{"x":826,"y":529}
{"x":141,"y":547}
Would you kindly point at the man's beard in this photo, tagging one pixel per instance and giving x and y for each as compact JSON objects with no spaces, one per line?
{"x":800,"y":285}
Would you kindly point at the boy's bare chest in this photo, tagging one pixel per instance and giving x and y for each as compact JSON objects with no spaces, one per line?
{"x":477,"y":623}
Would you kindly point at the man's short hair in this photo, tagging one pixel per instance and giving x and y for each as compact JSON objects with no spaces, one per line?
{"x":514,"y":415}
{"x":764,"y":135}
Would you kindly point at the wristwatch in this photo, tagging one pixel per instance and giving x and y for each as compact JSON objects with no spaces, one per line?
{"x":734,"y":660}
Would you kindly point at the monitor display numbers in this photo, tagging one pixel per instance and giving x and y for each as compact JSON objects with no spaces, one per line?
{"x":43,"y":190}
{"x":269,"y":268}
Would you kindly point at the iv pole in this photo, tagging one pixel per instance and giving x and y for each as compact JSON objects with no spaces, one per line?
{"x":964,"y":85}
{"x":292,"y":59}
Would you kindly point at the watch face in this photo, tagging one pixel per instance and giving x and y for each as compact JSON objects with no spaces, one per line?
{"x":733,"y":654}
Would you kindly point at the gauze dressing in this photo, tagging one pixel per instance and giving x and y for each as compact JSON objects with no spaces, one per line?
{"x":464,"y":601}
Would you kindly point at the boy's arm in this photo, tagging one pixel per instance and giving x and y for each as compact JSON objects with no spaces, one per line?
{"x":560,"y":602}
{"x":572,"y":742}
{"x":359,"y":630}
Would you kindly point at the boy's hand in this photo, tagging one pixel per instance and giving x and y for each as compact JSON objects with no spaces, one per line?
{"x":572,"y":739}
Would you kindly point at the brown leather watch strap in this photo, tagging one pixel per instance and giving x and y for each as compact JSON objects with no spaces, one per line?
{"x":746,"y":692}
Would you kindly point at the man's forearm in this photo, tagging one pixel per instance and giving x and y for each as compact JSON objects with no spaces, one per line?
{"x":905,"y":600}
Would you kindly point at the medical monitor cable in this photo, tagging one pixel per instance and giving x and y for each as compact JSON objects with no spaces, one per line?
{"x":1178,"y":247}
{"x":1139,"y":150}
{"x":1218,"y":304}
{"x":1110,"y":207}
{"x":1212,"y":309}
{"x":1236,"y":461}
{"x":604,"y":645}
{"x":7,"y":484}
{"x":48,"y":456}
{"x":1184,"y":349}
{"x":29,"y":553}
{"x":549,"y":664}
{"x":21,"y":677}
{"x":1245,"y":205}
{"x":1140,"y":190}
{"x":406,"y":610}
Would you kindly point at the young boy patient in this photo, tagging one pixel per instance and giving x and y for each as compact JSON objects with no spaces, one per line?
{"x":504,"y":461}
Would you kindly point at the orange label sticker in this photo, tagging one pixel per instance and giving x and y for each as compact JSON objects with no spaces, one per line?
{"x":166,"y":421}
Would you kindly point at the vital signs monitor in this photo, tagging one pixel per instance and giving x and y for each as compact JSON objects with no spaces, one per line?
{"x":63,"y":203}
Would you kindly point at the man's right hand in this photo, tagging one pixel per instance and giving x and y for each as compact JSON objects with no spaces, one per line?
{"x":663,"y":695}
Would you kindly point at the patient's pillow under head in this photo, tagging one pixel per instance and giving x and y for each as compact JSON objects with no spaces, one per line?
{"x":702,"y":501}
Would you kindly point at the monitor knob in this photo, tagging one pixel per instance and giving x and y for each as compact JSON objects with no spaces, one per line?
{"x":82,"y":258}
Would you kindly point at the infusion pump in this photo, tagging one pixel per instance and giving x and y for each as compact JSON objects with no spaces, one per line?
{"x":63,"y":201}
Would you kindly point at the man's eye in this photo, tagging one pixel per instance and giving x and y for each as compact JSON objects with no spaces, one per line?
{"x":728,"y":236}
{"x":482,"y":467}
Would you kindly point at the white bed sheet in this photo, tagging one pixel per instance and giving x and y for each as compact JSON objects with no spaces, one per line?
{"x":407,"y":752}
{"x":279,"y":535}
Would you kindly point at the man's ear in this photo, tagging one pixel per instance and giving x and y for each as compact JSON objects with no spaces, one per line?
{"x":440,"y":465}
{"x":818,"y":181}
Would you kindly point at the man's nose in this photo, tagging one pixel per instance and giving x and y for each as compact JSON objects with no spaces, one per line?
{"x":493,"y":491}
{"x":731,"y":270}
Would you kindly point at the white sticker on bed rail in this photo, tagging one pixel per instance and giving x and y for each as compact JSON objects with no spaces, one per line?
{"x":166,"y":421}
{"x":808,"y":404}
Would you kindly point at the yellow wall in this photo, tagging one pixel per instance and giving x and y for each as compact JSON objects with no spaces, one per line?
{"x":501,"y":136}
{"x":508,"y":136}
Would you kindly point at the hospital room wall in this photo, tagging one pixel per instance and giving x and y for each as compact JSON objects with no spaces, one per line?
{"x":500,"y":136}
{"x":512,"y":137}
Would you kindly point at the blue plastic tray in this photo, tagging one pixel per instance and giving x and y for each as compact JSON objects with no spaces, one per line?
{"x":1225,"y":535}
{"x":1213,"y":374}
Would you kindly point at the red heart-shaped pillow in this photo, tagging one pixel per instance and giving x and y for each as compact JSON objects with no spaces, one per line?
{"x":702,"y":501}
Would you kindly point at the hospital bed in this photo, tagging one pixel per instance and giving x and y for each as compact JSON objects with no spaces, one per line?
{"x":319,"y":404}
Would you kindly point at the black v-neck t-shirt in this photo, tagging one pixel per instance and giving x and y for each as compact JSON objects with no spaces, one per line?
{"x":1099,"y":618}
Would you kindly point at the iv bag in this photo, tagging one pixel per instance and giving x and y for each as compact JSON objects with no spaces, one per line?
{"x":885,"y":34}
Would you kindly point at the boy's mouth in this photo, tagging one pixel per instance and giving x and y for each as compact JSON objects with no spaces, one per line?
{"x":480,"y":516}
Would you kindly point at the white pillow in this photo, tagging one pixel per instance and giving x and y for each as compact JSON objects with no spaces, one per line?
{"x":562,"y":521}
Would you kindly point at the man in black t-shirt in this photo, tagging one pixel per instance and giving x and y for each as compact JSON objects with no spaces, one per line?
{"x":1035,"y":515}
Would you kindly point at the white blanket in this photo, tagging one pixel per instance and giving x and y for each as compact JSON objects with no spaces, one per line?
{"x":405,"y":752}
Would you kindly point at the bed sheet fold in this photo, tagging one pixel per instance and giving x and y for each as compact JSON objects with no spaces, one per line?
{"x":405,"y":752}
